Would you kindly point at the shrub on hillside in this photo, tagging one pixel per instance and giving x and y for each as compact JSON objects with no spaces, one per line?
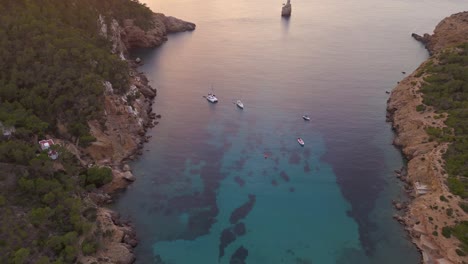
{"x":98,"y":176}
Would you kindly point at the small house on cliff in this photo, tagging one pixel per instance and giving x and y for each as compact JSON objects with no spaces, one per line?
{"x":46,"y":144}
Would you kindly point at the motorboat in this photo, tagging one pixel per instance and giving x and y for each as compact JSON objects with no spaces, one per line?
{"x":211,"y":98}
{"x":306,"y":117}
{"x":300,"y":141}
{"x":240,"y":104}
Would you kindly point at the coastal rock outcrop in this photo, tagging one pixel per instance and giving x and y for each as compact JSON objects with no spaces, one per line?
{"x":135,"y":37}
{"x":426,"y":214}
{"x":174,"y":25}
{"x":424,"y":39}
{"x":129,"y":35}
{"x":118,"y":240}
{"x":450,"y":31}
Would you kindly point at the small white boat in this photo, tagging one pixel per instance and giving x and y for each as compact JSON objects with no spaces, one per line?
{"x":300,"y":141}
{"x":306,"y":117}
{"x":240,"y":104}
{"x":211,"y":98}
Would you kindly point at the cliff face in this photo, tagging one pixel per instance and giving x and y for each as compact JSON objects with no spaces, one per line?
{"x":128,"y":116}
{"x":121,"y":133}
{"x":129,"y":35}
{"x":426,"y":214}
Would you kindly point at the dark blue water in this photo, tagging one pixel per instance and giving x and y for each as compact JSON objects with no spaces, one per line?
{"x":217,"y":184}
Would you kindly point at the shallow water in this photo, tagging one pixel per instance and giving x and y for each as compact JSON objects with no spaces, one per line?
{"x":217,"y":184}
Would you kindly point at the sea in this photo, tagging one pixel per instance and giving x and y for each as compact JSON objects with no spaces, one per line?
{"x":217,"y":184}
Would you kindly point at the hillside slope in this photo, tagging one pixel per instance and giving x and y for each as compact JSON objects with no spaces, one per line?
{"x":426,"y":110}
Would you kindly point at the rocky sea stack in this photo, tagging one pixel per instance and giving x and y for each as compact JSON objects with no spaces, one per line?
{"x":286,"y":9}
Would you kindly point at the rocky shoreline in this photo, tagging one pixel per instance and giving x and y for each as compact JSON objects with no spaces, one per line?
{"x":122,"y":132}
{"x":425,"y":178}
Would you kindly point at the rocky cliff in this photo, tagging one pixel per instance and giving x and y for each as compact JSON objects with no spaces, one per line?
{"x":427,"y":213}
{"x":450,"y":31}
{"x":134,"y":37}
{"x":120,"y":134}
{"x":128,"y":116}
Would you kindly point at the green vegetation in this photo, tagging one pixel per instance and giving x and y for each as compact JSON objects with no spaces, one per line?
{"x":460,"y":231}
{"x":124,"y":9}
{"x":439,"y":134}
{"x":51,"y":209}
{"x":57,"y":68}
{"x":464,"y":206}
{"x":96,"y":176}
{"x":446,"y":232}
{"x":53,"y":65}
{"x":420,"y":108}
{"x":449,"y":211}
{"x":443,"y":199}
{"x":445,"y":88}
{"x":54,"y":62}
{"x":89,"y":247}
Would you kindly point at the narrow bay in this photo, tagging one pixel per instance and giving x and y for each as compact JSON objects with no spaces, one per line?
{"x":328,"y":202}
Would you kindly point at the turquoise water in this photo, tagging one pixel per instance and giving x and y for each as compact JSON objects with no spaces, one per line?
{"x":285,"y":214}
{"x":217,"y":184}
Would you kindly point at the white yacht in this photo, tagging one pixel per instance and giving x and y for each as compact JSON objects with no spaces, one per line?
{"x":240,"y":104}
{"x":306,"y":117}
{"x":211,"y":98}
{"x":300,"y":141}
